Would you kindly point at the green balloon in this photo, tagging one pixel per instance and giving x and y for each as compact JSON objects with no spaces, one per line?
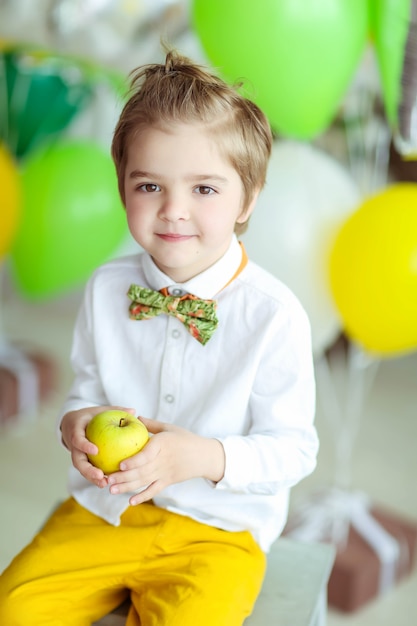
{"x":395,"y":34}
{"x":41,"y":94}
{"x":297,"y":56}
{"x":72,"y":218}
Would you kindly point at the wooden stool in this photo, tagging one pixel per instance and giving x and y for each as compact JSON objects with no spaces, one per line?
{"x":294,"y":592}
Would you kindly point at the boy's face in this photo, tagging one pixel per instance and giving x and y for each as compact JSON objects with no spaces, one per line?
{"x":182,"y":198}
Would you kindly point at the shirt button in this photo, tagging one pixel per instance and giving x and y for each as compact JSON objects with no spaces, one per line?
{"x":177,"y":292}
{"x":176,"y":333}
{"x":169,"y":398}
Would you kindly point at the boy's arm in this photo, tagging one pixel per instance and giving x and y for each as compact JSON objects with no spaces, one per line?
{"x":86,"y":390}
{"x":281,"y":446}
{"x":86,"y":397}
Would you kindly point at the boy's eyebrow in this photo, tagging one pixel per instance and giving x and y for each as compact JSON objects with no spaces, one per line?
{"x":142,"y":174}
{"x":214,"y":177}
{"x":192,"y":177}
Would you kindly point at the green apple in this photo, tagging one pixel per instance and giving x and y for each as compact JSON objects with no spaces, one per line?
{"x":117,"y":435}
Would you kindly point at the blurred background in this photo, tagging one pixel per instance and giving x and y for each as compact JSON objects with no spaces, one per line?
{"x":337,"y":222}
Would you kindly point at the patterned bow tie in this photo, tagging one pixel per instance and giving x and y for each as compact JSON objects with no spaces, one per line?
{"x":199,"y":316}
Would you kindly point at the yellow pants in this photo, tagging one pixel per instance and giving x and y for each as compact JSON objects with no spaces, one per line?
{"x":178,"y":572}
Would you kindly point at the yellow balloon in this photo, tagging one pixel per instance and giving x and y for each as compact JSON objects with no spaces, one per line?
{"x":373,"y":272}
{"x":10,"y":200}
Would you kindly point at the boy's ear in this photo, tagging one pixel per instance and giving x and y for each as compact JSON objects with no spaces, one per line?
{"x":247,"y":212}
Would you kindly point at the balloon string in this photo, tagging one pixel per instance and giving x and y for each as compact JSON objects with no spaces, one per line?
{"x":332,"y":408}
{"x":361,"y":372}
{"x":354,"y":130}
{"x":406,"y":107}
{"x":328,"y":397}
{"x":345,"y":420}
{"x":368,"y":139}
{"x":381,"y":163}
{"x":335,"y":415}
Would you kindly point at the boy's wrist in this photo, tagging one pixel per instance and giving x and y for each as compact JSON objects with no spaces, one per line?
{"x":215,"y":460}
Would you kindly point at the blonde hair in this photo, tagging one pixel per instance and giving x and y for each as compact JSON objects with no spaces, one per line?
{"x":181,"y":91}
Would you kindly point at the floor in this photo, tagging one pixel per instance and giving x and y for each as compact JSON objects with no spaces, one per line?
{"x":33,"y":466}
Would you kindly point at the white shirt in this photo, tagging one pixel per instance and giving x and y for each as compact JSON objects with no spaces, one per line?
{"x":251,"y":387}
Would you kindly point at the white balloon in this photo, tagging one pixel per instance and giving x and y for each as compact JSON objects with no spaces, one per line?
{"x":307,"y":197}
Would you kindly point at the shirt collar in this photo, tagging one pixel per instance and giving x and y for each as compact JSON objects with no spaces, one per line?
{"x":206,"y":284}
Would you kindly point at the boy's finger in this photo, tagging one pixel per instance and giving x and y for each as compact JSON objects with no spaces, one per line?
{"x":153,"y":426}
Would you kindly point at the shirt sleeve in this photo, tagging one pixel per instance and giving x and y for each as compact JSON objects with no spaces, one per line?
{"x":86,"y":389}
{"x":282,"y":444}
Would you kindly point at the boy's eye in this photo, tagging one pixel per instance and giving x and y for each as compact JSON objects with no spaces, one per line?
{"x":204,"y":190}
{"x":149,"y":187}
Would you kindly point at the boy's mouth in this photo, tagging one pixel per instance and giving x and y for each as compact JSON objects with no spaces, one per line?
{"x":174,"y":237}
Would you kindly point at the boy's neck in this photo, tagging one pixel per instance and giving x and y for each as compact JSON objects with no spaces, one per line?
{"x":207,"y":283}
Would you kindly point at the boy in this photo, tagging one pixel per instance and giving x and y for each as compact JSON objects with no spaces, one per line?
{"x":184,"y":526}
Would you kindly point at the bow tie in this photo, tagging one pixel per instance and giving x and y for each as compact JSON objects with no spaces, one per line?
{"x":199,"y":316}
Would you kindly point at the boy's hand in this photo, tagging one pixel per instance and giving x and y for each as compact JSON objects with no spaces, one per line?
{"x":73,"y":427}
{"x":172,"y":455}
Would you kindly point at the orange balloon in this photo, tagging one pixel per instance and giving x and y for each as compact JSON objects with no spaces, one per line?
{"x":10,"y":200}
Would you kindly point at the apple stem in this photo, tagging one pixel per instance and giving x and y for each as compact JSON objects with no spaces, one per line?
{"x":122,"y":422}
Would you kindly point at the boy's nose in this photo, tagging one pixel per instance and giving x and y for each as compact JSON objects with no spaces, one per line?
{"x":174,"y":208}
